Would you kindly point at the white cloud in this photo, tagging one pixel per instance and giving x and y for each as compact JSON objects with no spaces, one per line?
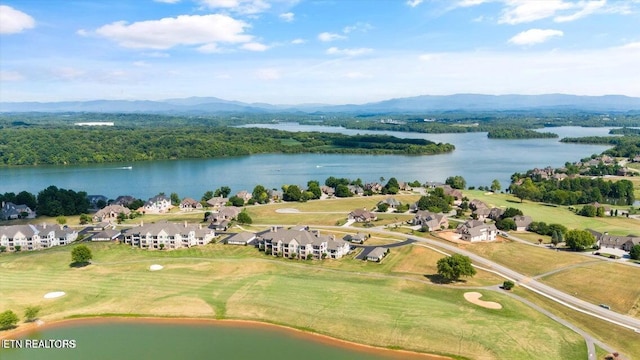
{"x":14,"y":21}
{"x":469,"y":3}
{"x":167,"y":1}
{"x":68,"y":73}
{"x":254,"y":46}
{"x":298,"y":41}
{"x":633,"y":45}
{"x":414,"y":3}
{"x":359,"y":26}
{"x":211,"y":48}
{"x":10,"y":76}
{"x":246,"y":7}
{"x":83,"y":32}
{"x":288,"y":16}
{"x":328,"y":37}
{"x":534,"y":36}
{"x":268,"y":74}
{"x":522,"y":11}
{"x":348,"y":52}
{"x":357,"y":75}
{"x":140,"y":63}
{"x":589,"y":8}
{"x":182,"y":30}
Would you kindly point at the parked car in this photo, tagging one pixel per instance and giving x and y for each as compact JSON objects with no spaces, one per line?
{"x":605,"y":306}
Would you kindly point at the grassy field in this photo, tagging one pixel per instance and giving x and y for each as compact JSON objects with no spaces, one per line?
{"x":220,"y":281}
{"x":526,"y":259}
{"x":608,"y":283}
{"x":623,"y":340}
{"x":558,"y":214}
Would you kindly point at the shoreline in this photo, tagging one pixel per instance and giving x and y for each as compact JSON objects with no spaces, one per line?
{"x":25,"y":329}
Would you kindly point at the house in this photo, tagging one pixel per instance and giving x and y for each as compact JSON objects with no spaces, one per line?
{"x":391,"y":201}
{"x":362,"y":215}
{"x":623,"y":172}
{"x":377,"y":254}
{"x":476,"y":230}
{"x":522,"y":222}
{"x":328,"y":190}
{"x":448,"y":190}
{"x":107,"y":235}
{"x":244,"y":195}
{"x":124,"y":200}
{"x":275,"y":195}
{"x":95,"y":199}
{"x":157,"y":204}
{"x":481,"y":213}
{"x":189,"y":204}
{"x":358,"y":238}
{"x":166,"y":235}
{"x":559,"y":176}
{"x":615,"y":241}
{"x":636,"y":159}
{"x":11,"y":211}
{"x":430,"y":221}
{"x":220,"y":220}
{"x":476,"y":204}
{"x":35,"y":237}
{"x":404,"y":186}
{"x":374,"y":187}
{"x":301,"y":244}
{"x":110,"y":212}
{"x":356,"y":190}
{"x":243,"y":238}
{"x":217,"y":202}
{"x":495,"y":213}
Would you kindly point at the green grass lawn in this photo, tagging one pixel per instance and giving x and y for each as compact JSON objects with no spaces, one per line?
{"x":217,"y":281}
{"x":558,"y":214}
{"x":602,"y":283}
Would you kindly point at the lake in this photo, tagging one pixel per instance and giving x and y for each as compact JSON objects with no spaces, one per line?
{"x":167,"y":339}
{"x":478,"y":159}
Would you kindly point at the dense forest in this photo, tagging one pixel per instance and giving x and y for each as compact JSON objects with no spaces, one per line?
{"x":518,"y":133}
{"x":571,"y":191}
{"x":62,"y":145}
{"x":625,"y":131}
{"x":624,"y":146}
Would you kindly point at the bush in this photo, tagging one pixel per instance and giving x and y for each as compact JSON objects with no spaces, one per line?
{"x":81,"y":255}
{"x":31,"y":313}
{"x":8,"y":320}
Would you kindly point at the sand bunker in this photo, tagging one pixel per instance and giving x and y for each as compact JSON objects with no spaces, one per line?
{"x":55,"y":294}
{"x":474,"y":297}
{"x":156,"y":267}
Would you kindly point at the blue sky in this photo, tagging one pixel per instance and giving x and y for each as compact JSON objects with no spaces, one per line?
{"x":315,"y":51}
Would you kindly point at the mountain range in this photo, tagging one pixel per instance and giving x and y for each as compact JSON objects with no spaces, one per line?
{"x":423,"y":103}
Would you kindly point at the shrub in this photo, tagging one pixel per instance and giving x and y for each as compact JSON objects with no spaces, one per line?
{"x":508,"y":285}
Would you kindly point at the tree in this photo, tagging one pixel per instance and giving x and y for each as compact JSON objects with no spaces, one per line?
{"x":161,"y":246}
{"x":555,"y":238}
{"x":85,"y":219}
{"x":314,"y":187}
{"x":383,"y":207}
{"x":207,"y":196}
{"x":81,"y":255}
{"x":579,"y":240}
{"x":244,"y":218}
{"x":18,"y":247}
{"x":260,"y":194}
{"x":508,"y":285}
{"x":8,"y":320}
{"x":454,"y":266}
{"x":506,"y":224}
{"x":291,"y":193}
{"x":456,"y":182}
{"x":588,"y":211}
{"x":223,"y":191}
{"x":31,"y":313}
{"x":495,"y":185}
{"x":635,"y":252}
{"x":100,"y":204}
{"x":343,"y":191}
{"x":236,"y":201}
{"x":121,"y":217}
{"x":175,"y":199}
{"x":3,"y":249}
{"x":61,"y":220}
{"x":392,"y":186}
{"x":511,"y":212}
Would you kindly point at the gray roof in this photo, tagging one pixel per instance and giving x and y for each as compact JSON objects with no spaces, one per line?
{"x":244,"y":237}
{"x":377,"y":252}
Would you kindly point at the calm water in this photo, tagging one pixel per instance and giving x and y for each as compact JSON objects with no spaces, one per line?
{"x":478,"y":159}
{"x":160,"y":341}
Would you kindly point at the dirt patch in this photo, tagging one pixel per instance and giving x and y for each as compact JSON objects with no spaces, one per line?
{"x":474,"y":298}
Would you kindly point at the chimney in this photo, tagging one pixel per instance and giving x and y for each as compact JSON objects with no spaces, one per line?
{"x":44,"y":225}
{"x":200,"y":226}
{"x":141,"y":222}
{"x":185,"y":223}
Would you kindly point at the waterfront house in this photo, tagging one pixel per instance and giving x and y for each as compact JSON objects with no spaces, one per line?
{"x":362,"y":215}
{"x":377,"y":254}
{"x":11,"y":211}
{"x":475,"y":230}
{"x":430,"y":221}
{"x":157,"y":204}
{"x":302,"y":244}
{"x":124,"y":200}
{"x":328,"y":190}
{"x":189,"y":204}
{"x":166,"y":235}
{"x":217,"y":202}
{"x":35,"y":237}
{"x":275,"y":195}
{"x":244,"y":195}
{"x":476,"y":204}
{"x":110,"y":212}
{"x":615,"y":241}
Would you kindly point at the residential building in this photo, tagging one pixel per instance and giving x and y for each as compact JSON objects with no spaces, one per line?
{"x":243,"y":238}
{"x":430,"y":221}
{"x":362,"y":215}
{"x":522,"y":222}
{"x":392,"y":202}
{"x":475,"y":230}
{"x":11,"y":211}
{"x":377,"y":254}
{"x":615,"y":241}
{"x":35,"y":237}
{"x":157,"y":204}
{"x":358,"y":238}
{"x":166,"y":235}
{"x":217,"y":202}
{"x":189,"y":204}
{"x":301,"y":243}
{"x":110,"y":213}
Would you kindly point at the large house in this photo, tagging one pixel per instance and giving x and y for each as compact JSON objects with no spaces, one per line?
{"x":217,"y":202}
{"x":166,"y":235}
{"x":362,"y":215}
{"x":157,"y":204}
{"x":220,"y":220}
{"x":301,"y":243}
{"x":11,"y":211}
{"x":522,"y":222}
{"x":391,"y":202}
{"x":35,"y":237}
{"x":475,"y":230}
{"x":189,"y":204}
{"x":430,"y":221}
{"x":124,"y":200}
{"x":242,"y":238}
{"x":377,"y":254}
{"x":94,"y":200}
{"x":110,"y":212}
{"x":615,"y":241}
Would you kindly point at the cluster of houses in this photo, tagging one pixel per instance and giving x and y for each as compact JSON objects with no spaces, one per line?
{"x":558,"y":174}
{"x":11,"y":211}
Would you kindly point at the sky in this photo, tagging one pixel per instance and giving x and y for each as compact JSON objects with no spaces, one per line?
{"x":315,"y":51}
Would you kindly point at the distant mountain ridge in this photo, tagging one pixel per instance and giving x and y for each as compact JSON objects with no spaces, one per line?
{"x":423,"y":103}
